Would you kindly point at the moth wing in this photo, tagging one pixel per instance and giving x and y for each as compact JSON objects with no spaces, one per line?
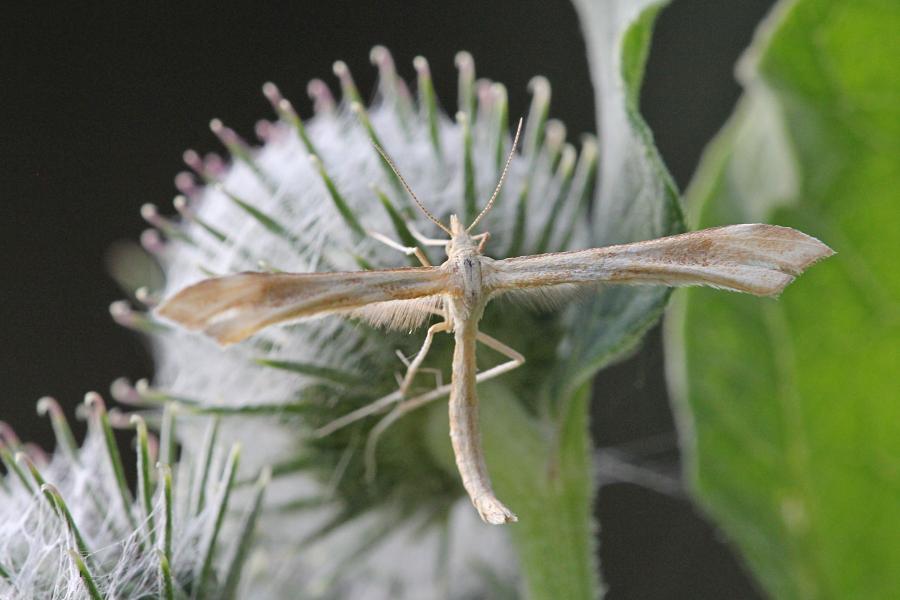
{"x":234,"y":307}
{"x":756,"y":259}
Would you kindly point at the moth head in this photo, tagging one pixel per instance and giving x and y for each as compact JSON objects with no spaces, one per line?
{"x":456,"y":227}
{"x":459,"y":237}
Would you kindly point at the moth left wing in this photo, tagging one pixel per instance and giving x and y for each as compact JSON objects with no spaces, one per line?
{"x":756,"y":259}
{"x":234,"y":307}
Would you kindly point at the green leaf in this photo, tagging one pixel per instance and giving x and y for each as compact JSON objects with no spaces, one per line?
{"x":636,"y":197}
{"x":789,"y":409}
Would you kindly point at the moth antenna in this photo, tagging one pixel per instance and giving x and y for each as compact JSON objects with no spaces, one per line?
{"x":490,"y":203}
{"x":421,"y":206}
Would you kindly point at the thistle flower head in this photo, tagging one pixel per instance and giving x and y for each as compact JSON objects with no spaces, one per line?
{"x":71,"y":526}
{"x":309,"y":198}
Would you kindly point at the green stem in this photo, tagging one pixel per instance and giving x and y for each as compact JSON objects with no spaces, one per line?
{"x":546,"y":480}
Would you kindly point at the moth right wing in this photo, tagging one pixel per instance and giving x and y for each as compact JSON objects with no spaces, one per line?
{"x":234,"y":307}
{"x":756,"y":259}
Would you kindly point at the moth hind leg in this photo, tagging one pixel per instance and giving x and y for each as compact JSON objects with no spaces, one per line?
{"x":436,"y":373}
{"x":516,"y":359}
{"x":414,"y":366}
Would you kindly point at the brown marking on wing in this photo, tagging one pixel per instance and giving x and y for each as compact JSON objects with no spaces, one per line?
{"x":234,"y":307}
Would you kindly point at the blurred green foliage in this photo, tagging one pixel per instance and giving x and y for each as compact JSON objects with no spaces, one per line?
{"x":790,"y":408}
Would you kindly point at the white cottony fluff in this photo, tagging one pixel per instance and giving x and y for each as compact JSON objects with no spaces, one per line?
{"x":118,"y":548}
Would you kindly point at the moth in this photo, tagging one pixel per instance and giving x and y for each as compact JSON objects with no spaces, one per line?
{"x":755,"y":258}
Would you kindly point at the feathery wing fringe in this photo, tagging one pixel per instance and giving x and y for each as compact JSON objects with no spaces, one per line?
{"x":548,"y":298}
{"x":403,"y":315}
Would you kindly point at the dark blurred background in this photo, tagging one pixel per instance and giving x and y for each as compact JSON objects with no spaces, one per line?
{"x":98,"y":105}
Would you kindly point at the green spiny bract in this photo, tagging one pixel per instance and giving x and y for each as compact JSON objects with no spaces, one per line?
{"x":71,"y":527}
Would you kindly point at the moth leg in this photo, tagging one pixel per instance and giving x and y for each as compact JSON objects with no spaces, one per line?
{"x":438,"y":376}
{"x":407,"y":250}
{"x":397,"y":376}
{"x":384,"y":402}
{"x":397,"y":396}
{"x":482,"y":240}
{"x":516,"y":360}
{"x":425,"y":241}
{"x":413,"y":367}
{"x":402,"y":358}
{"x":373,"y":407}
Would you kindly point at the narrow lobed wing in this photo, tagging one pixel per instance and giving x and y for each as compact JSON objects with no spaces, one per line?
{"x":234,"y":307}
{"x":756,"y":259}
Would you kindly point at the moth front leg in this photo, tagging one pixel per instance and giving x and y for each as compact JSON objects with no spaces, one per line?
{"x":482,"y":239}
{"x":422,"y":239}
{"x":407,"y":250}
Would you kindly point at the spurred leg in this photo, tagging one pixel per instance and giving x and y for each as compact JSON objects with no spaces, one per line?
{"x":423,"y":352}
{"x":516,"y":360}
{"x":393,"y":397}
